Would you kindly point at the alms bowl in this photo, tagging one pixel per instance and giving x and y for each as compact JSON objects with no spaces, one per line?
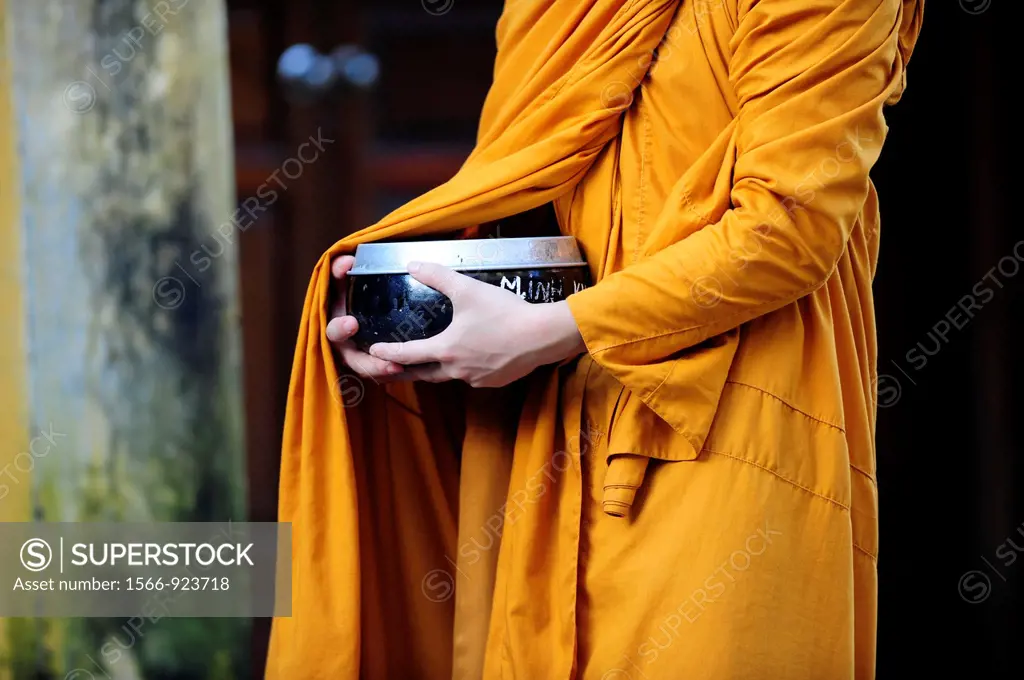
{"x":391,"y":306}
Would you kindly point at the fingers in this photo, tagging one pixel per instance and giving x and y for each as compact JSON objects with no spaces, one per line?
{"x":341,"y":265}
{"x":341,"y":328}
{"x":339,"y":268}
{"x":339,"y":310}
{"x":408,"y":353}
{"x":440,"y":278}
{"x":340,"y":331}
{"x":367,"y":366}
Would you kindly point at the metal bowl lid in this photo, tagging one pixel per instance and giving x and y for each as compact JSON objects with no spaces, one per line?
{"x":469,"y":254}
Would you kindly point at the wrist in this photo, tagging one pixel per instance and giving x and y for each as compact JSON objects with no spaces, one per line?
{"x":557,"y":333}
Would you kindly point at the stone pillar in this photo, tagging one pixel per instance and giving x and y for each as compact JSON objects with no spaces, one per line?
{"x":124,"y":370}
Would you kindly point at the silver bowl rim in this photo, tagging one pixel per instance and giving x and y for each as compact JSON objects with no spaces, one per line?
{"x":531,"y":252}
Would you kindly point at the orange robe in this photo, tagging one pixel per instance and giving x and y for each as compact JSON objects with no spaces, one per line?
{"x":693,"y":498}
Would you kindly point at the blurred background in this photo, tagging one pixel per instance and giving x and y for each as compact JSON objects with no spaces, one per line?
{"x":171,"y":170}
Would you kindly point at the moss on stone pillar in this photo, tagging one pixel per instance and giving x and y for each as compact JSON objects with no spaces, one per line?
{"x":131,"y":349}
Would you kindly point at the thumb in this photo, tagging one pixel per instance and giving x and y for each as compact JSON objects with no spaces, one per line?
{"x":440,"y":278}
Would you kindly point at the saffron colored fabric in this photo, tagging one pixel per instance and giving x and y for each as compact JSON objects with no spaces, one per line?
{"x":693,"y":498}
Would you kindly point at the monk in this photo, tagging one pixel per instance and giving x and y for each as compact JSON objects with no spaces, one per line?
{"x":671,"y":474}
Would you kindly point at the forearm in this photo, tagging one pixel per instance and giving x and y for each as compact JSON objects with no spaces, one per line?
{"x":742,"y":267}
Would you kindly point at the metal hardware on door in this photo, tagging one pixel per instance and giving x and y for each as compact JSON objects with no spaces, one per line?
{"x":308,"y":75}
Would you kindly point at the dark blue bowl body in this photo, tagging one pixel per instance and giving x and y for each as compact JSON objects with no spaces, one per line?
{"x":397,"y":308}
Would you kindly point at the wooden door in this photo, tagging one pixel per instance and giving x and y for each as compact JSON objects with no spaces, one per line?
{"x":342,"y":112}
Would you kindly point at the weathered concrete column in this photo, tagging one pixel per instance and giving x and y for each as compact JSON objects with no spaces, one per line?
{"x":125,"y":371}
